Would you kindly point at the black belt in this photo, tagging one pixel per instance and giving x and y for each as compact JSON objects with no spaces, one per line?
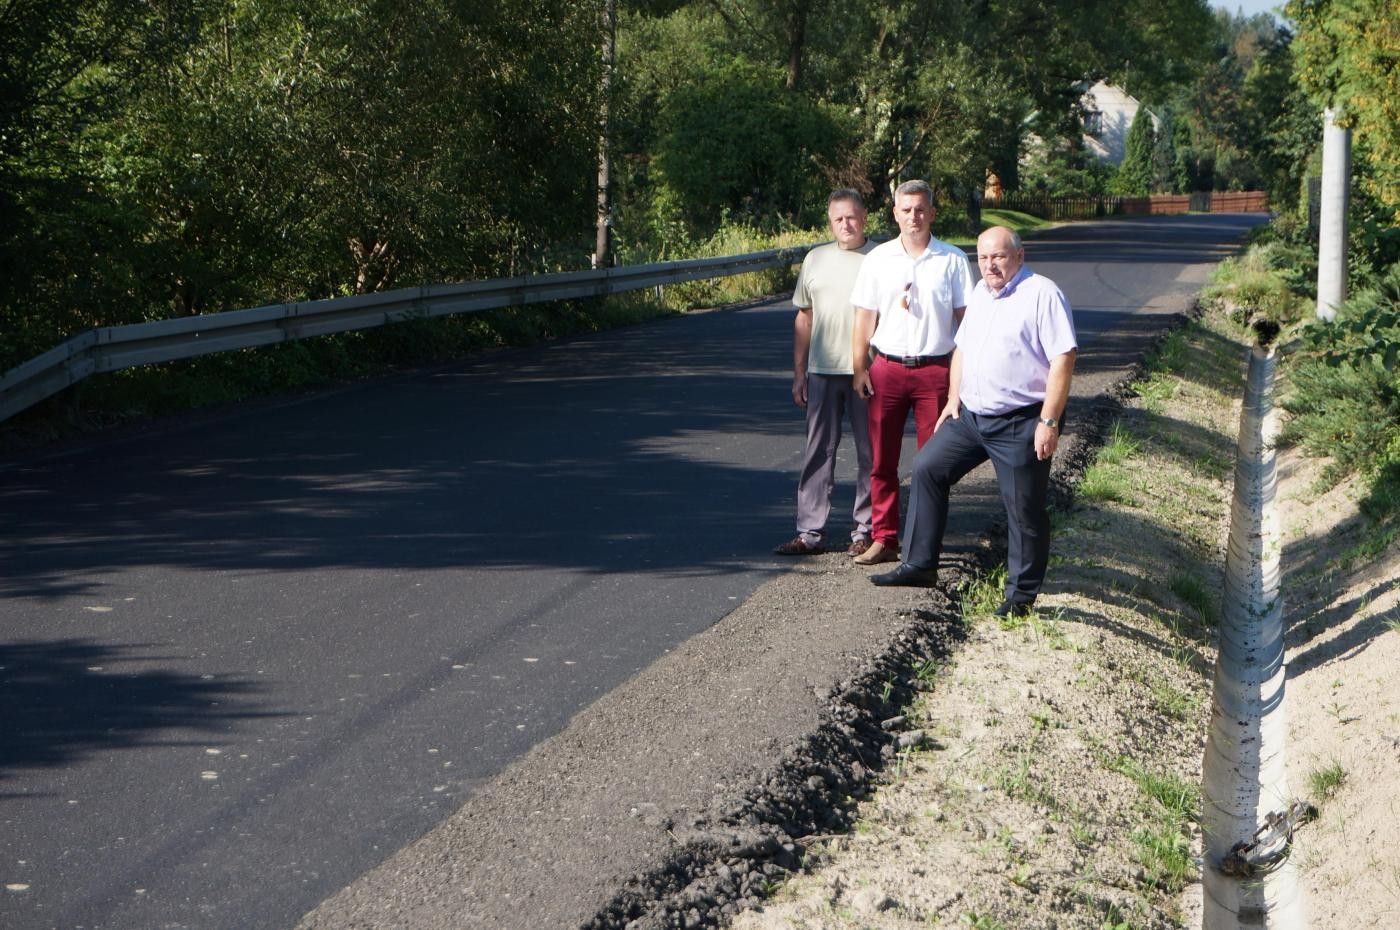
{"x":1030,"y":410}
{"x":916,"y":361}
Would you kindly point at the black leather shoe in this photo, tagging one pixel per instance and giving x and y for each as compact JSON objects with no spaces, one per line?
{"x":907,"y":576}
{"x":1013,"y":609}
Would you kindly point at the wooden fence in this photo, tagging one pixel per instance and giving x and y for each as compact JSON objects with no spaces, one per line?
{"x":1086,"y":208}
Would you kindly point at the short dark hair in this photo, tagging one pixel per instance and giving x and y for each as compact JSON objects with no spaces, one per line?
{"x":845,"y":193}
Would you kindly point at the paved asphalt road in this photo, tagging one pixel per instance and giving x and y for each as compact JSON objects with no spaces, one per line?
{"x":245,"y":658}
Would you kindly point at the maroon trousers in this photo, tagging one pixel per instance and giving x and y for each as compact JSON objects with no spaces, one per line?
{"x":898,"y":389}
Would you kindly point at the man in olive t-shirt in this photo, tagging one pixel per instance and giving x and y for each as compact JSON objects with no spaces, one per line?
{"x":821,"y":377}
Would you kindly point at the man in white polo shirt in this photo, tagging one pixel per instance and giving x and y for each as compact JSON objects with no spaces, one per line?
{"x":1010,"y":383}
{"x":909,"y":296}
{"x":821,"y":377}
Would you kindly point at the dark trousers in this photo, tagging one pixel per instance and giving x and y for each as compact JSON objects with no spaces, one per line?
{"x":958,"y":447}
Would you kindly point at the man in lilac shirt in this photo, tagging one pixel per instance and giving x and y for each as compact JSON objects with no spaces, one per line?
{"x":1008,"y":385}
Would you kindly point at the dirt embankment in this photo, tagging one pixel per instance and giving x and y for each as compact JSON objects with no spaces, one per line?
{"x":1054,"y":783}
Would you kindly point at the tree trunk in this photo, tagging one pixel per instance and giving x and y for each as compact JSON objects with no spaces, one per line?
{"x":604,"y":222}
{"x":797,"y":40}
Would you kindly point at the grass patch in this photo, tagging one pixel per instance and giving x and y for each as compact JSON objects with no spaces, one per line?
{"x":1178,"y":800}
{"x":1120,"y":446}
{"x":1325,"y":781}
{"x":1187,"y":586}
{"x":1256,"y":285}
{"x":983,"y":593}
{"x":1157,"y":391}
{"x":1103,"y":483}
{"x":1163,"y":845}
{"x":1170,"y":357}
{"x":1164,"y":853}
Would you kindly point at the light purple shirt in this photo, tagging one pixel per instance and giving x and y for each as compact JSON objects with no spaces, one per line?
{"x":1007,"y":340}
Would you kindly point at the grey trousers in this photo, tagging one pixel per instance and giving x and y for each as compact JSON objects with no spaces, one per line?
{"x":830,"y":399}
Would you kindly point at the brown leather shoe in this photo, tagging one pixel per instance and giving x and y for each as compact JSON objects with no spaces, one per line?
{"x":799,"y":546}
{"x":858,"y":546}
{"x":878,"y":554}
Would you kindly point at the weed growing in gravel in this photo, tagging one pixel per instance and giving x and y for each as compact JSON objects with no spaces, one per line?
{"x":1082,"y":834}
{"x":983,"y":593}
{"x":1104,"y":482}
{"x":1051,"y":631}
{"x":1174,"y":703}
{"x":1392,"y":624}
{"x":1190,"y":589}
{"x":926,"y":672}
{"x":1324,"y":781}
{"x":1120,"y":446}
{"x":1019,"y":785}
{"x":1165,"y":855}
{"x":1164,"y":844}
{"x":980,"y":921}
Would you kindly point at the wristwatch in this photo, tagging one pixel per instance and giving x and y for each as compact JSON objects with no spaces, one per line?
{"x":1050,"y":422}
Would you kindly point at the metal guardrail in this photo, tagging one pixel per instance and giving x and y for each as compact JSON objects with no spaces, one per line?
{"x":111,"y":348}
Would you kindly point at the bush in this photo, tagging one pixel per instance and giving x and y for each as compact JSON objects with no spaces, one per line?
{"x":737,"y":239}
{"x":738,"y":143}
{"x":1345,"y":397}
{"x":1259,"y":284}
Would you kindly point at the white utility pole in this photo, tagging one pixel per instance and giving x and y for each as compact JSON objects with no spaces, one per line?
{"x":1332,"y":231}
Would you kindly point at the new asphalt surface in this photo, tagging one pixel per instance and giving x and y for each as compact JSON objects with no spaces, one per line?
{"x":248,"y":657}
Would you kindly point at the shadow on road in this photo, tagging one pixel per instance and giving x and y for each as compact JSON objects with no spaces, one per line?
{"x":66,"y":699}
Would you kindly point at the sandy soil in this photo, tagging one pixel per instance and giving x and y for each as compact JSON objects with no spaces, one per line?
{"x":1344,"y":703}
{"x":1036,"y":798}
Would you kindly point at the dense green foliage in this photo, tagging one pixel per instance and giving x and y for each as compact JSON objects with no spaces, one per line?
{"x":1135,"y":175}
{"x":198,"y":155}
{"x":1348,"y":54}
{"x":859,"y":94}
{"x":246,"y":152}
{"x":1345,"y":397}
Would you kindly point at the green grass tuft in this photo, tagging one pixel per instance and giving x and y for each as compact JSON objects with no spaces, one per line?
{"x":1324,"y":781}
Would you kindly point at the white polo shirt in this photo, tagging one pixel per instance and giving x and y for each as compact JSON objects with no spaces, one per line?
{"x":936,"y":283}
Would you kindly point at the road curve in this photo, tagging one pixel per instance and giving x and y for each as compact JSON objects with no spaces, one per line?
{"x":247,"y":658}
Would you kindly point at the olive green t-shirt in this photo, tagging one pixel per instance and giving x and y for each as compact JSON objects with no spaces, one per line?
{"x":824,"y":284}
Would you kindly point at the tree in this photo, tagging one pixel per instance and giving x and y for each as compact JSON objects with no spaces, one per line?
{"x":65,"y":67}
{"x":738,"y":143}
{"x":1347,"y":52}
{"x":199,"y":155}
{"x":1136,"y":173}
